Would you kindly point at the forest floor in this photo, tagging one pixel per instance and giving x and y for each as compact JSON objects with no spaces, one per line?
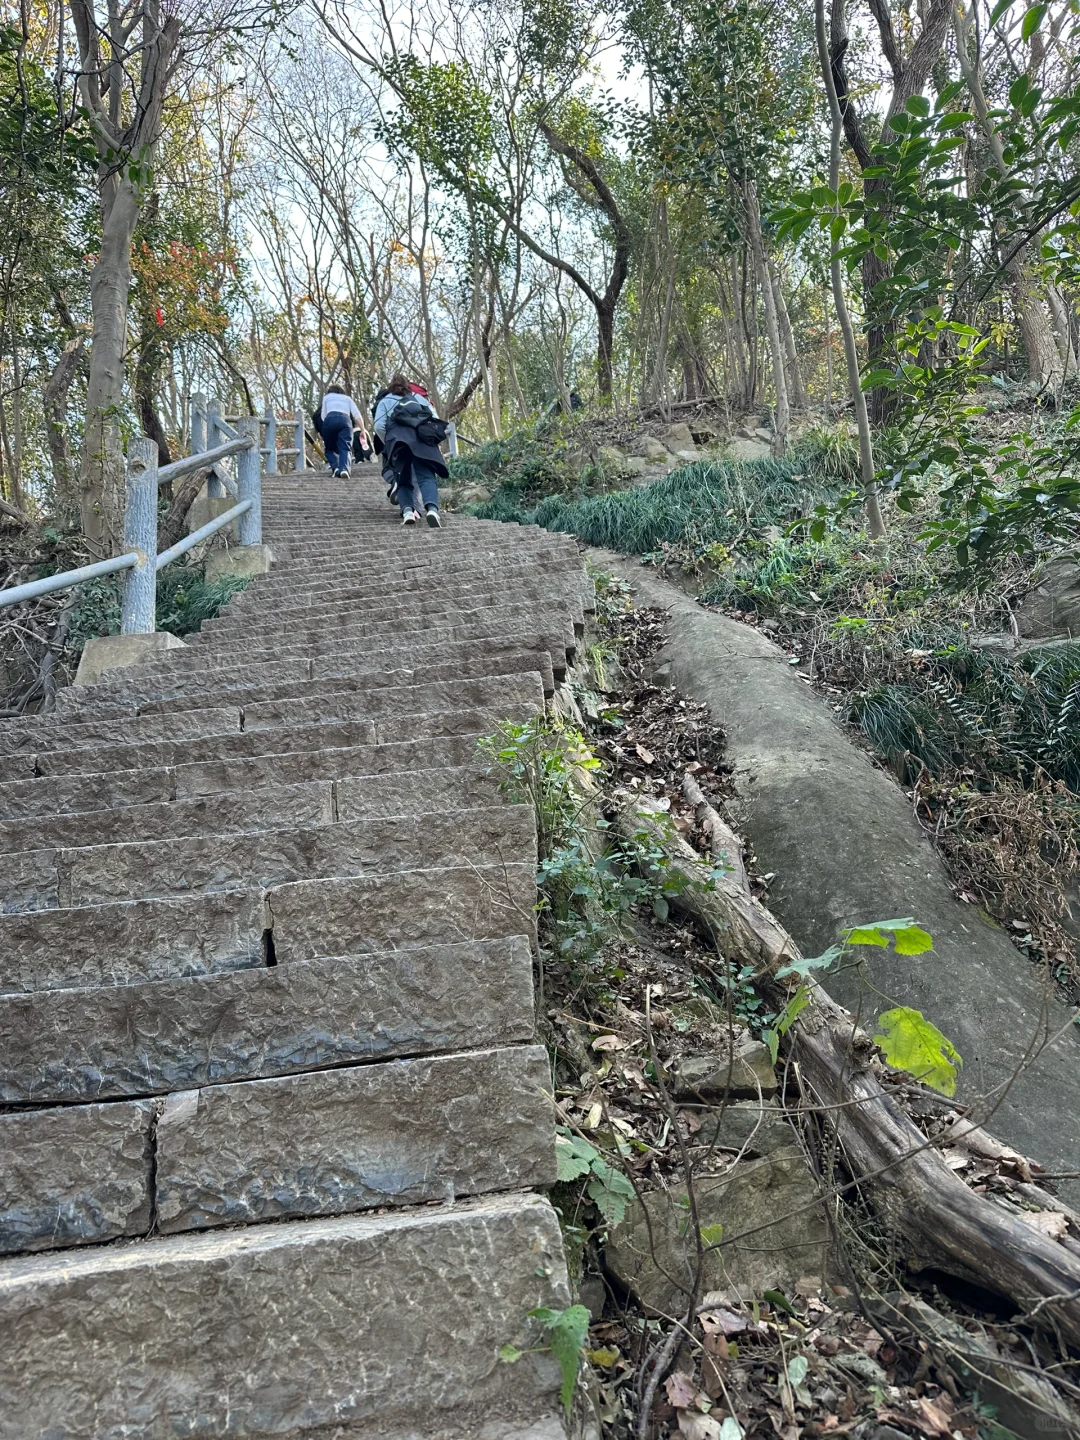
{"x":631,"y":999}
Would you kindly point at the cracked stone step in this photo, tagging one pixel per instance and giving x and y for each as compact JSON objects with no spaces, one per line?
{"x":74,"y":1176}
{"x":403,"y":1133}
{"x":78,"y":793}
{"x":147,"y":1038}
{"x":277,"y":1329}
{"x":299,"y":587}
{"x":141,"y":940}
{"x":36,"y":881}
{"x":330,"y":1142}
{"x":315,"y":802}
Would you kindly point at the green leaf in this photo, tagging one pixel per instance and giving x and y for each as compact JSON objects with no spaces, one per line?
{"x":610,"y":1191}
{"x":779,"y":1300}
{"x":566,"y":1331}
{"x":999,"y":10}
{"x":805,"y":964}
{"x":1018,"y":89}
{"x":911,"y":1043}
{"x":918,"y":104}
{"x":772,"y":1040}
{"x":712,"y":1234}
{"x":913,"y":941}
{"x":510,"y":1354}
{"x":660,"y":908}
{"x":1032,"y":20}
{"x":573,"y":1157}
{"x":867,"y":935}
{"x":797,"y":1370}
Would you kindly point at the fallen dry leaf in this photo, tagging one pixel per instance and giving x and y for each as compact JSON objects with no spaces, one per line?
{"x":646,"y":755}
{"x":696,"y":1426}
{"x":1047,"y":1222}
{"x":609,"y":1042}
{"x":722,"y":1322}
{"x":935,"y":1416}
{"x":680,"y":1389}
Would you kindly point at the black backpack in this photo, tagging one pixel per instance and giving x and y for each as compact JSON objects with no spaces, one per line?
{"x":430,"y":430}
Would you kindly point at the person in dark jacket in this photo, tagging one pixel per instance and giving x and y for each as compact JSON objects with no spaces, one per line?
{"x":417,"y":464}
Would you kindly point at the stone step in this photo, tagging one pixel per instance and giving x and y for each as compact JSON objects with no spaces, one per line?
{"x":421,"y":627}
{"x":329,"y":1142}
{"x":42,"y":881}
{"x":49,"y":733}
{"x":78,"y":793}
{"x":340,"y":610}
{"x":277,"y":1329}
{"x":377,"y":577}
{"x":58,"y":1047}
{"x":75,"y":1176}
{"x":141,"y":940}
{"x":411,"y":710}
{"x":245,"y":683}
{"x":336,"y":1141}
{"x":316,"y":802}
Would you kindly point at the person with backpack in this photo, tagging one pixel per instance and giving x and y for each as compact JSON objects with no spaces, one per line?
{"x":410,"y":434}
{"x":337,"y":414}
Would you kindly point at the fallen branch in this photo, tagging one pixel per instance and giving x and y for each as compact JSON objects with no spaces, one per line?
{"x":940,"y":1222}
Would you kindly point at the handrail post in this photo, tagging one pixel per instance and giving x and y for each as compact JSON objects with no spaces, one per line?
{"x":451,"y":436}
{"x":215,"y":490}
{"x":249,"y":483}
{"x":271,"y":441}
{"x":300,"y":461}
{"x":138,"y":614}
{"x":198,"y":424}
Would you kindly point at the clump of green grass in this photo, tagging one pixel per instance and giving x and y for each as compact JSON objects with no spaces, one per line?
{"x":184,"y":600}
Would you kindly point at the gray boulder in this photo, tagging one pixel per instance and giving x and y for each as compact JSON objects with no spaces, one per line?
{"x":1052,"y":606}
{"x":774,"y":1235}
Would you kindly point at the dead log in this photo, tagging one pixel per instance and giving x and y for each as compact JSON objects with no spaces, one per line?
{"x":722,"y":839}
{"x":937,"y":1220}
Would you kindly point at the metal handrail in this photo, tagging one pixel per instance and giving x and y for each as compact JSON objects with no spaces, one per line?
{"x":140,"y":520}
{"x":203,"y":533}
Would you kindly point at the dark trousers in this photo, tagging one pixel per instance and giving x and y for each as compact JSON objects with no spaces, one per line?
{"x":418,"y":485}
{"x":337,"y":439}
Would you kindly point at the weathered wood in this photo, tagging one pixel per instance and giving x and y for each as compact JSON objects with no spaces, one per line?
{"x":722,"y":839}
{"x":938,"y":1221}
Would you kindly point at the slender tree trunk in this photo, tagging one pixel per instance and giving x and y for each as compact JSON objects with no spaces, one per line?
{"x":102,"y":475}
{"x":796,"y":385}
{"x":875,"y":521}
{"x":55,"y":405}
{"x":772,"y":323}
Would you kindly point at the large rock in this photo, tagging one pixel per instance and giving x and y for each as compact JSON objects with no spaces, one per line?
{"x":749,"y":450}
{"x":680,"y":439}
{"x":653,"y":450}
{"x":278,"y":1329}
{"x":775,"y":1236}
{"x":743,"y":1074}
{"x":69,"y":1177}
{"x":1052,"y":607}
{"x":746,"y":1127}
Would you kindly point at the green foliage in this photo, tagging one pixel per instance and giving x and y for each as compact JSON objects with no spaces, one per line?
{"x":784,"y":1021}
{"x":184,"y":601}
{"x":907,"y":937}
{"x":700,"y":503}
{"x":607,"y":1187}
{"x":565,"y":1331}
{"x":911,"y":1043}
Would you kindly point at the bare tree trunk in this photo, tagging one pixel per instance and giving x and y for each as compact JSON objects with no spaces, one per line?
{"x":796,"y":384}
{"x":867,"y":468}
{"x":772,"y":323}
{"x":55,"y":403}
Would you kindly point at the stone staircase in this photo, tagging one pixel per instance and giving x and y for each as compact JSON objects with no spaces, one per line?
{"x":273,"y":1122}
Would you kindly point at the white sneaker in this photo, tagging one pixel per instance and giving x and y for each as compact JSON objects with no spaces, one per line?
{"x":410,"y":517}
{"x":433,"y":517}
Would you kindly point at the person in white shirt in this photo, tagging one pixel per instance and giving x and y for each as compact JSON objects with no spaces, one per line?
{"x":338,"y":414}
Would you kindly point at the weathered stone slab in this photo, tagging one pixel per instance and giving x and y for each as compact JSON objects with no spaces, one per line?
{"x":509,"y":695}
{"x":418,"y":907}
{"x":137,"y":1039}
{"x":775,"y":1235}
{"x":210,"y":777}
{"x":70,"y":794}
{"x":240,"y":810}
{"x":403,"y":1133}
{"x":138,"y":940}
{"x":208,"y":864}
{"x":105,"y":758}
{"x":746,"y":1127}
{"x":463,"y":786}
{"x":53,"y":733}
{"x":280,"y":1328}
{"x":73,"y":1176}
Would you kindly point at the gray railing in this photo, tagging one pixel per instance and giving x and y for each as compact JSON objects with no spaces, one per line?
{"x":213,"y":440}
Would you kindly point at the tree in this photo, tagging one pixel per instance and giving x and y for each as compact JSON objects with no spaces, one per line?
{"x":126,"y":59}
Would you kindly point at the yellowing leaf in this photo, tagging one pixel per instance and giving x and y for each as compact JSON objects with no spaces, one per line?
{"x":712,"y":1234}
{"x":911,"y":1043}
{"x":605,"y":1357}
{"x":913,"y":941}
